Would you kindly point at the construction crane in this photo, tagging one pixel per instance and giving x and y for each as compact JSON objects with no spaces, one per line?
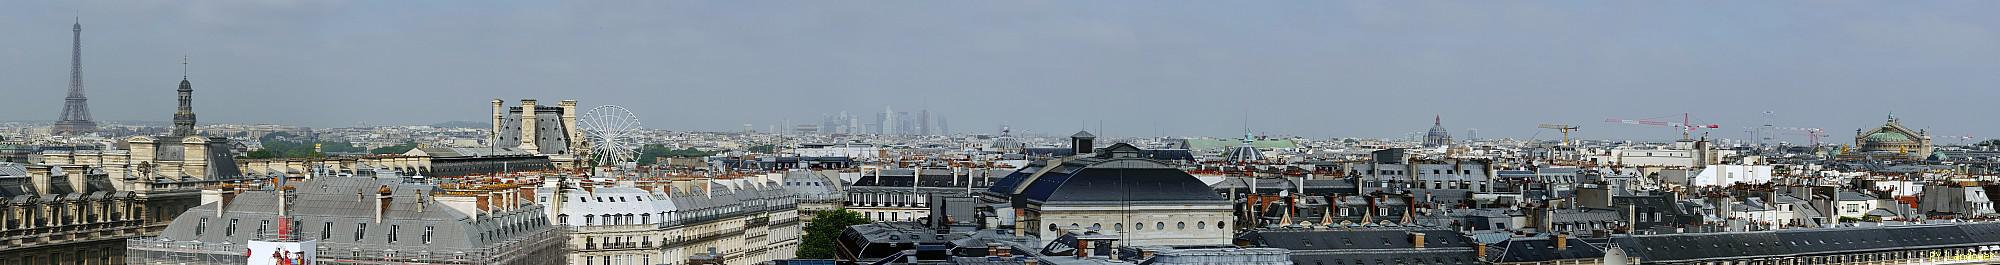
{"x":1687,"y":127}
{"x":1812,"y":134}
{"x":1564,"y":128}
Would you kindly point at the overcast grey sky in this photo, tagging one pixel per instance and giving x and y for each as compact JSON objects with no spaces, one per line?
{"x":1311,"y":68}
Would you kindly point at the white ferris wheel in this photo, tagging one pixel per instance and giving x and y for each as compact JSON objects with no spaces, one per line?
{"x":612,"y":132}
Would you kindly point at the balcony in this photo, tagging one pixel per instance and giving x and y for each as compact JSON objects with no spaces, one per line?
{"x":616,"y":228}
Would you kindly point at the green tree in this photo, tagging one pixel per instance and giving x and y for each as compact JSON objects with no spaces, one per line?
{"x":651,"y":152}
{"x":394,"y":149}
{"x":824,"y":230}
{"x":764,"y":149}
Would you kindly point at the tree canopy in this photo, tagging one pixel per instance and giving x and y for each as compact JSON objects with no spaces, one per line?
{"x":286,"y":145}
{"x":651,"y":152}
{"x":825,"y":229}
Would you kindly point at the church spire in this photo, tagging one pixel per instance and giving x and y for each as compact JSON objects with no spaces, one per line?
{"x":184,"y":118}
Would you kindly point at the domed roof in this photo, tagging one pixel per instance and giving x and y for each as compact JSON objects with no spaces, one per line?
{"x":1888,"y":137}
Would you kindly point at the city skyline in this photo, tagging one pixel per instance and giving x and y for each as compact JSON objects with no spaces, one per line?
{"x":1307,"y":69}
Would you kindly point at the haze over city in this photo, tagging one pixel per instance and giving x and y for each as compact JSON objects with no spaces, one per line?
{"x":1140,"y":68}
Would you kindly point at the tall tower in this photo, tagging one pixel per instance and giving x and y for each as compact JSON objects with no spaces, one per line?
{"x":184,"y":117}
{"x":76,"y":113}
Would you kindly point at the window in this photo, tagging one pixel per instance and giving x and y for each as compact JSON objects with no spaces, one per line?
{"x":201,"y":226}
{"x":392,"y":232}
{"x":1181,"y":226}
{"x":1160,"y":225}
{"x":262,"y":225}
{"x":589,"y":219}
{"x":326,"y":233}
{"x":427,"y":233}
{"x":1120,"y":227}
{"x":1138,"y":226}
{"x":1201,"y":225}
{"x":360,"y":231}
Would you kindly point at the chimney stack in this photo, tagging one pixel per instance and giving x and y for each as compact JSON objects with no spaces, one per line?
{"x":1417,"y":239}
{"x":499,"y":112}
{"x":1479,"y":250}
{"x":382,"y":202}
{"x":1081,"y":141}
{"x":228,"y":196}
{"x":1562,"y":241}
{"x":1082,"y":248}
{"x":284,"y":193}
{"x":529,"y":141}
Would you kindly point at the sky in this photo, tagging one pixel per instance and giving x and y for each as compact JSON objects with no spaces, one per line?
{"x":1132,"y":68}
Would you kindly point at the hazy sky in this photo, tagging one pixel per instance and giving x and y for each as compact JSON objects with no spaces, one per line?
{"x":1311,"y":68}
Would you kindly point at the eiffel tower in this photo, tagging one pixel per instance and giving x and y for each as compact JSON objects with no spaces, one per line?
{"x":76,"y":113}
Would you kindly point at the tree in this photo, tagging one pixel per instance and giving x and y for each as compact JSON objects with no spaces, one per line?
{"x":824,"y":230}
{"x":764,"y":149}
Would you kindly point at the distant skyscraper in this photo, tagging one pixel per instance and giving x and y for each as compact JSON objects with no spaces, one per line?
{"x":887,"y":120}
{"x":943,"y":128}
{"x":76,"y":112}
{"x":924,"y":122}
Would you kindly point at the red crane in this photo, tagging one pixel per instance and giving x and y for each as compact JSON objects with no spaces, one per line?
{"x":1686,"y":126}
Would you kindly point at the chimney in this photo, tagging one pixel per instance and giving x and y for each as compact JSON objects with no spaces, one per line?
{"x":499,"y":112}
{"x":484,"y":202}
{"x":1562,"y":241}
{"x":228,"y":196}
{"x":1082,"y":248}
{"x":570,"y":131}
{"x":1479,"y":250}
{"x":40,"y":177}
{"x":77,"y":175}
{"x":381,"y":202}
{"x":528,"y":127}
{"x":283,"y":195}
{"x":1081,"y":141}
{"x":1019,"y":214}
{"x":1417,"y":239}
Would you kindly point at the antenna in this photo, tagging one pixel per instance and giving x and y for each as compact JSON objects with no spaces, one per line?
{"x":184,"y":66}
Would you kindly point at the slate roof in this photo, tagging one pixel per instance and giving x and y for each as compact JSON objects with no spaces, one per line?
{"x":1794,"y":242}
{"x":1367,"y":246}
{"x":1106,"y":179}
{"x":1538,"y":249}
{"x":347,"y":203}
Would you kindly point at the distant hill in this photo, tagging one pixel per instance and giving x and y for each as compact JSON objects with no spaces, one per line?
{"x":462,"y":124}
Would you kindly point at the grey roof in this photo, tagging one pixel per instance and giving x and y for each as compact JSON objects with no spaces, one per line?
{"x":1114,"y":176}
{"x":1538,"y":249}
{"x":1791,"y":242}
{"x":1367,"y":246}
{"x":346,"y":205}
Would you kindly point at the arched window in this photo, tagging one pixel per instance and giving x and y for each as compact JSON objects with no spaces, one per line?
{"x":589,"y":219}
{"x":1052,"y":227}
{"x":1096,"y":226}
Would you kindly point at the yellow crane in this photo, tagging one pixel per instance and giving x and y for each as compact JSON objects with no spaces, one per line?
{"x":1564,"y":128}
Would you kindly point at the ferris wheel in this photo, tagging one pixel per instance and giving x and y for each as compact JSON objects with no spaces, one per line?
{"x":612,"y":132}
